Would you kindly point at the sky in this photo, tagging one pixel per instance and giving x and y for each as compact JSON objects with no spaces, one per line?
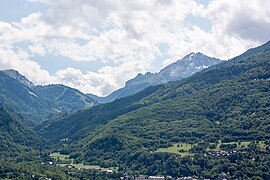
{"x":97,"y":45}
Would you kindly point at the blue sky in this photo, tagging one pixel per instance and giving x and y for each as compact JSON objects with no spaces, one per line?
{"x":14,"y":10}
{"x":49,"y":62}
{"x":96,"y":46}
{"x":53,"y":63}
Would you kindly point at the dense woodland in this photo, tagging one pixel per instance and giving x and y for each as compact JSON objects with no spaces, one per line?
{"x":221,"y":115}
{"x":234,"y":107}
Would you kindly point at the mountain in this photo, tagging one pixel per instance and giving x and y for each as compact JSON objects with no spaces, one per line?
{"x":77,"y":125}
{"x":22,"y":100}
{"x":81,"y":123}
{"x":225,"y":104}
{"x":190,"y":64}
{"x":34,"y":103}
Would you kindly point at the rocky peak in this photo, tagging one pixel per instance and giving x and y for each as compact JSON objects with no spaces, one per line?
{"x":16,"y":75}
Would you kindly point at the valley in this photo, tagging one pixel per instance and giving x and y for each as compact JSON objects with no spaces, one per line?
{"x":211,"y":123}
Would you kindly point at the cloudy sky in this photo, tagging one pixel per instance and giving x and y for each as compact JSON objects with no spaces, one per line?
{"x":97,"y":45}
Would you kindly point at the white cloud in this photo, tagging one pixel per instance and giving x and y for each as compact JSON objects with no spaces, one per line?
{"x":106,"y":80}
{"x":19,"y":59}
{"x":127,"y":35}
{"x":247,"y":20}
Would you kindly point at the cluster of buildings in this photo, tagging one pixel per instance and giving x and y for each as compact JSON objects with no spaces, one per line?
{"x":226,"y":153}
{"x":145,"y":177}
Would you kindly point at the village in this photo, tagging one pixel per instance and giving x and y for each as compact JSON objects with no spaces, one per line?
{"x":226,"y":153}
{"x":80,"y":170}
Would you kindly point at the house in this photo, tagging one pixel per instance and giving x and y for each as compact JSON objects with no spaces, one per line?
{"x":156,"y":177}
{"x":70,"y":166}
{"x":107,"y":171}
{"x":185,"y":178}
{"x":222,"y":176}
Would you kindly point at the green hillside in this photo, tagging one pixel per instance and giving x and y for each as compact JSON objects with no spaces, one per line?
{"x":35,"y":103}
{"x":216,"y":121}
{"x":63,"y":98}
{"x":22,"y":152}
{"x":228,"y":104}
{"x":79,"y":124}
{"x":14,"y":136}
{"x":23,"y":100}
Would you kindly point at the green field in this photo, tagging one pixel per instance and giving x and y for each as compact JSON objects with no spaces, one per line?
{"x":63,"y":157}
{"x":179,"y":148}
{"x":59,"y":156}
{"x":85,"y":166}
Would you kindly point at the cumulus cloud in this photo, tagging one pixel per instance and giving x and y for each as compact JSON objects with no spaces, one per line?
{"x":128,"y":36}
{"x":247,"y":20}
{"x":19,"y":59}
{"x":106,"y":80}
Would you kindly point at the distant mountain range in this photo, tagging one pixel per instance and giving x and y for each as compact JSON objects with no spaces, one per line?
{"x":190,"y":64}
{"x":35,"y":103}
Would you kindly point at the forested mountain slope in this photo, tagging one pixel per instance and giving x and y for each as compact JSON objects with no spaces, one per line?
{"x":22,"y":100}
{"x":63,"y":98}
{"x":82,"y":123}
{"x":15,"y":136}
{"x":79,"y":124}
{"x":23,"y":154}
{"x":228,"y":103}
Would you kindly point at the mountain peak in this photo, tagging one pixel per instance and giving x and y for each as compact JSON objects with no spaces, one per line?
{"x":17,"y":76}
{"x":188,"y":65}
{"x":194,"y":55}
{"x":185,"y":67}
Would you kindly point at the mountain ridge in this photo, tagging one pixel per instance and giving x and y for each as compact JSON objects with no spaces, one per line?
{"x":207,"y":79}
{"x":188,"y":65}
